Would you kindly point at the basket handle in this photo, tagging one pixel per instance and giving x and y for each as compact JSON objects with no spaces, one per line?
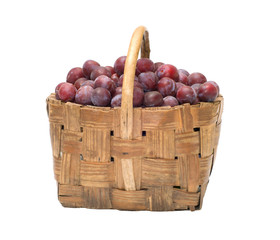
{"x":139,"y":38}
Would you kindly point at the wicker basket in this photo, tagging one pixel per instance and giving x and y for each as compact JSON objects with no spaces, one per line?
{"x":156,"y":159}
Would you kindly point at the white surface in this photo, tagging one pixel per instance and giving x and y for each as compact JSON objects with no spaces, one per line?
{"x":235,"y":43}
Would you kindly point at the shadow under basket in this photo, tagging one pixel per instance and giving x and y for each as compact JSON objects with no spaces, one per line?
{"x":162,"y":164}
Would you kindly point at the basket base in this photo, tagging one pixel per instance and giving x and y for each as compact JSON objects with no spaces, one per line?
{"x":163,"y":198}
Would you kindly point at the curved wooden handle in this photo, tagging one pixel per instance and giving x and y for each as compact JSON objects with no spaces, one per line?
{"x":139,"y":38}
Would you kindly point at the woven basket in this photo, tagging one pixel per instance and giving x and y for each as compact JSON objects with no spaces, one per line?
{"x":156,"y":159}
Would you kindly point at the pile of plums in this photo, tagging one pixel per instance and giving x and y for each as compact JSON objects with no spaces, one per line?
{"x":155,"y":84}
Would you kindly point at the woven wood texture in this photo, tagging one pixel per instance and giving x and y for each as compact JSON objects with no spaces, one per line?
{"x":172,"y":154}
{"x":156,"y":159}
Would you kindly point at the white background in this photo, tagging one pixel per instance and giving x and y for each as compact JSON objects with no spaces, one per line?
{"x":235,"y":43}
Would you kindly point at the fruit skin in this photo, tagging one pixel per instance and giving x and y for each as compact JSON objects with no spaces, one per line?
{"x":168,"y":70}
{"x":216,"y":85}
{"x":196,"y":101}
{"x":88,"y":66}
{"x":153,"y":99}
{"x":144,"y":65}
{"x":83,"y":95}
{"x":74,"y":74}
{"x":105,"y":82}
{"x":155,"y":84}
{"x":167,"y":87}
{"x":183,"y":78}
{"x":138,"y":97}
{"x":116,"y":101}
{"x":196,"y":87}
{"x":148,"y":80}
{"x":178,"y":85}
{"x":183,"y":71}
{"x":98,"y":71}
{"x":88,"y":83}
{"x":115,"y":78}
{"x":101,"y":97}
{"x":56,"y":90}
{"x":196,"y":77}
{"x":170,"y":101}
{"x":79,"y":82}
{"x":138,"y":84}
{"x":67,"y":92}
{"x":207,"y":92}
{"x":117,"y":91}
{"x":186,"y":94}
{"x":119,"y":65}
{"x":157,"y":65}
{"x":111,"y":69}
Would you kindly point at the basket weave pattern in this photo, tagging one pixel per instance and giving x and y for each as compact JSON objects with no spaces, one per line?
{"x":171,"y":155}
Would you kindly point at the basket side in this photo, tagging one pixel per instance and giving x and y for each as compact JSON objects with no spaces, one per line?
{"x":172,"y":152}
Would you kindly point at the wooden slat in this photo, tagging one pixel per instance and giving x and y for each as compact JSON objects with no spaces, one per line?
{"x":193,"y":173}
{"x":55,"y":132}
{"x":184,"y":199}
{"x":131,"y":173}
{"x":205,"y":113}
{"x":123,"y":148}
{"x":216,"y":141}
{"x":187,"y":143}
{"x":57,"y":168}
{"x":95,"y":174}
{"x":119,"y":182}
{"x":202,"y":193}
{"x":207,"y":139}
{"x":71,"y":142}
{"x":178,"y":206}
{"x":164,"y":119}
{"x":128,"y":175}
{"x":160,"y":144}
{"x":72,"y":117}
{"x":55,"y":110}
{"x":97,"y":198}
{"x":71,"y":196}
{"x":220,"y":100}
{"x":137,"y":123}
{"x":70,"y":190}
{"x":70,"y":169}
{"x":71,"y":201}
{"x":137,"y":171}
{"x":159,"y":172}
{"x":160,"y":198}
{"x":117,"y":122}
{"x":129,"y":200}
{"x":97,"y":118}
{"x":96,"y":145}
{"x":217,"y":134}
{"x":185,"y":119}
{"x":205,"y":165}
{"x":183,"y":171}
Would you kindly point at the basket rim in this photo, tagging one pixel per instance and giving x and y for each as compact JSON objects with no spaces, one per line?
{"x":161,"y":108}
